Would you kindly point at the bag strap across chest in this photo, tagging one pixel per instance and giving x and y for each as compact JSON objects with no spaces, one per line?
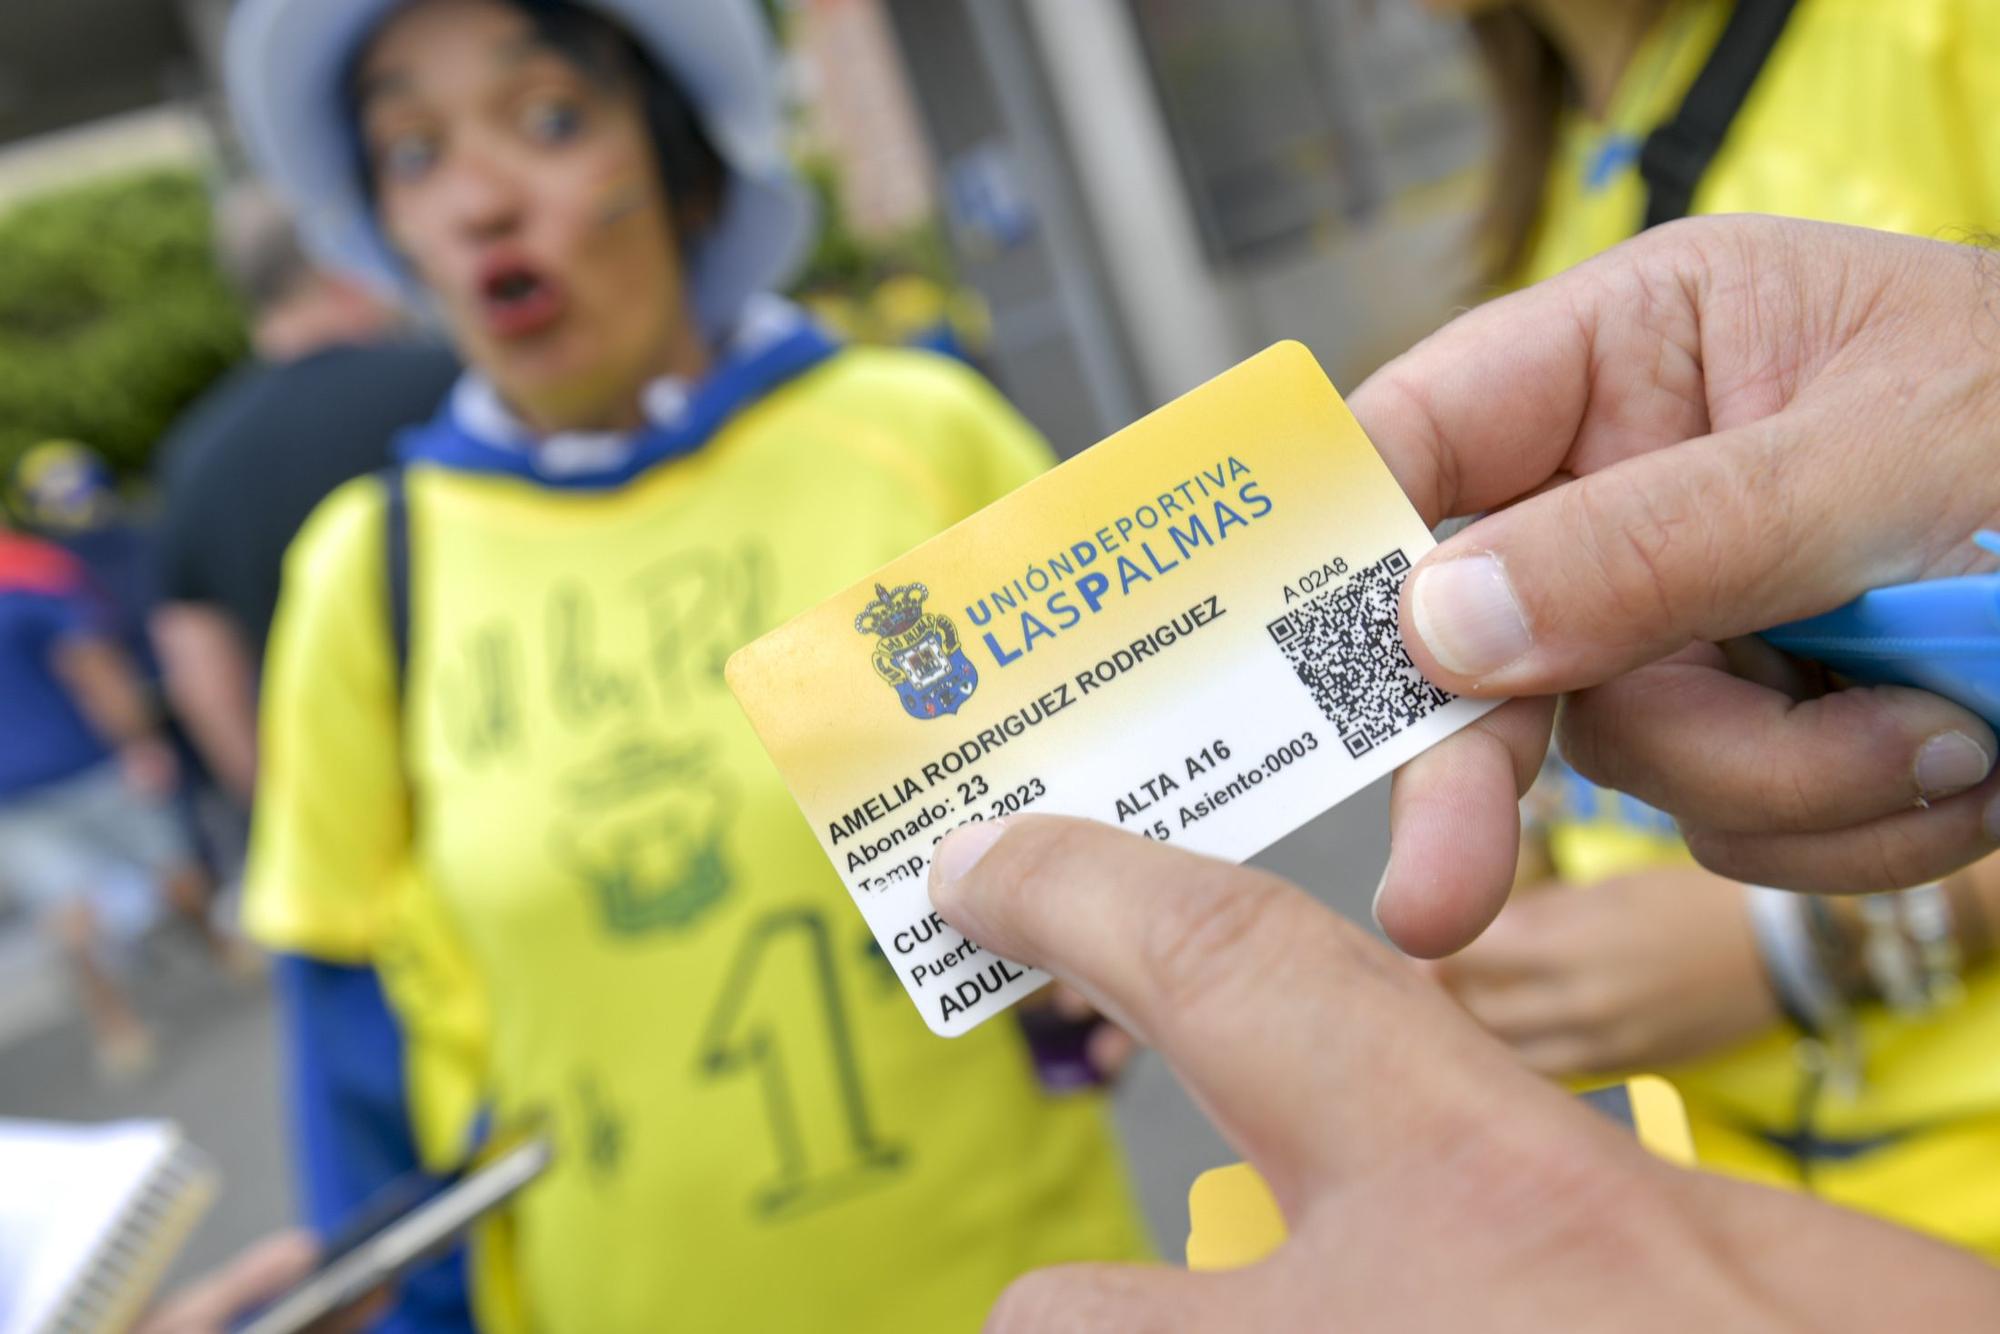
{"x":1678,"y":153}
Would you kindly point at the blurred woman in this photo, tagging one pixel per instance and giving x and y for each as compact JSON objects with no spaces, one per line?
{"x":1842,"y":1046}
{"x":501,"y":770}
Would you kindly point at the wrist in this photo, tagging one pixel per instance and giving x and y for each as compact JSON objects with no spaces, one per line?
{"x":1903,"y":948}
{"x":1798,"y":961}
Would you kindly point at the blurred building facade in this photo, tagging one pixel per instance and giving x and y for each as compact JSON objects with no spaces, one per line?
{"x":92,"y":87}
{"x":1145,"y":191}
{"x":861,"y":114}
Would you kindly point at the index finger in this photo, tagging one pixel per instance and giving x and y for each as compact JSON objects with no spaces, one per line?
{"x":1265,"y":1003}
{"x":1598,"y":364}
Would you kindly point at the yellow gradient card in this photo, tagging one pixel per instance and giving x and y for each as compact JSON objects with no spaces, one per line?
{"x":1188,"y":631}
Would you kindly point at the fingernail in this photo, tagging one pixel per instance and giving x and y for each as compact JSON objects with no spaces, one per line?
{"x":1951,"y":762}
{"x":962,"y":849}
{"x":1375,"y":904}
{"x":1467,"y":615}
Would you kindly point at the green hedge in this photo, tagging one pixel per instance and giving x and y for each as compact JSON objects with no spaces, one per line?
{"x":112,"y":314}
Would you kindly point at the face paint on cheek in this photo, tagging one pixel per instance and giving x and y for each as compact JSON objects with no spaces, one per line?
{"x":621,"y":199}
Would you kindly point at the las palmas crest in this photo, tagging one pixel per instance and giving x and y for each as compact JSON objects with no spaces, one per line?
{"x":917,"y":652}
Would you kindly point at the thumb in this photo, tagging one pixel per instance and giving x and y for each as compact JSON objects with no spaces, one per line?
{"x":1716,"y":537}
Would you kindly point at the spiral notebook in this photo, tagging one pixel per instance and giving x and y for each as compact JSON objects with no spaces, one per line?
{"x":90,"y":1217}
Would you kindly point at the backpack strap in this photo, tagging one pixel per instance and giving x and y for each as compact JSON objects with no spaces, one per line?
{"x":1678,"y":153}
{"x":396,"y":565}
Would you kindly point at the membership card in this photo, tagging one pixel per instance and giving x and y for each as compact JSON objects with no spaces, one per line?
{"x":1188,"y":631}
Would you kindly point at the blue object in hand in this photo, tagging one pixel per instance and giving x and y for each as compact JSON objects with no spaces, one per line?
{"x":1940,"y":635}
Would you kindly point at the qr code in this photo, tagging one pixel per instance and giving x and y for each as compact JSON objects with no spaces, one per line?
{"x":1345,"y":646}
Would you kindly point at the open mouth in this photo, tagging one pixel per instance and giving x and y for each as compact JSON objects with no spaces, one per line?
{"x":517,"y":299}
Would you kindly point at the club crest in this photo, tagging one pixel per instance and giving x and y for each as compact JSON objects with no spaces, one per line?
{"x":917,"y":651}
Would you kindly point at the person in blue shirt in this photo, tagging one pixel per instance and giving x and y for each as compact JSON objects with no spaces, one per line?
{"x":68,"y":496}
{"x":87,"y":844}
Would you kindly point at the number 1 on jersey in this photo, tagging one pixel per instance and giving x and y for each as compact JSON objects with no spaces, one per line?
{"x":814,"y":1104}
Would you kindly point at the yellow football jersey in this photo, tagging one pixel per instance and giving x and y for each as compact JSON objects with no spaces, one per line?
{"x":596,"y":906}
{"x":1869,"y":113}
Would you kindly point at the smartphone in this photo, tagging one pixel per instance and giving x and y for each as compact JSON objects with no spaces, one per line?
{"x":397,"y":1238}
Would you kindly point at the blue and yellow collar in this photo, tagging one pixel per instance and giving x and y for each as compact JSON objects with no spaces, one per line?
{"x":476,"y":432}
